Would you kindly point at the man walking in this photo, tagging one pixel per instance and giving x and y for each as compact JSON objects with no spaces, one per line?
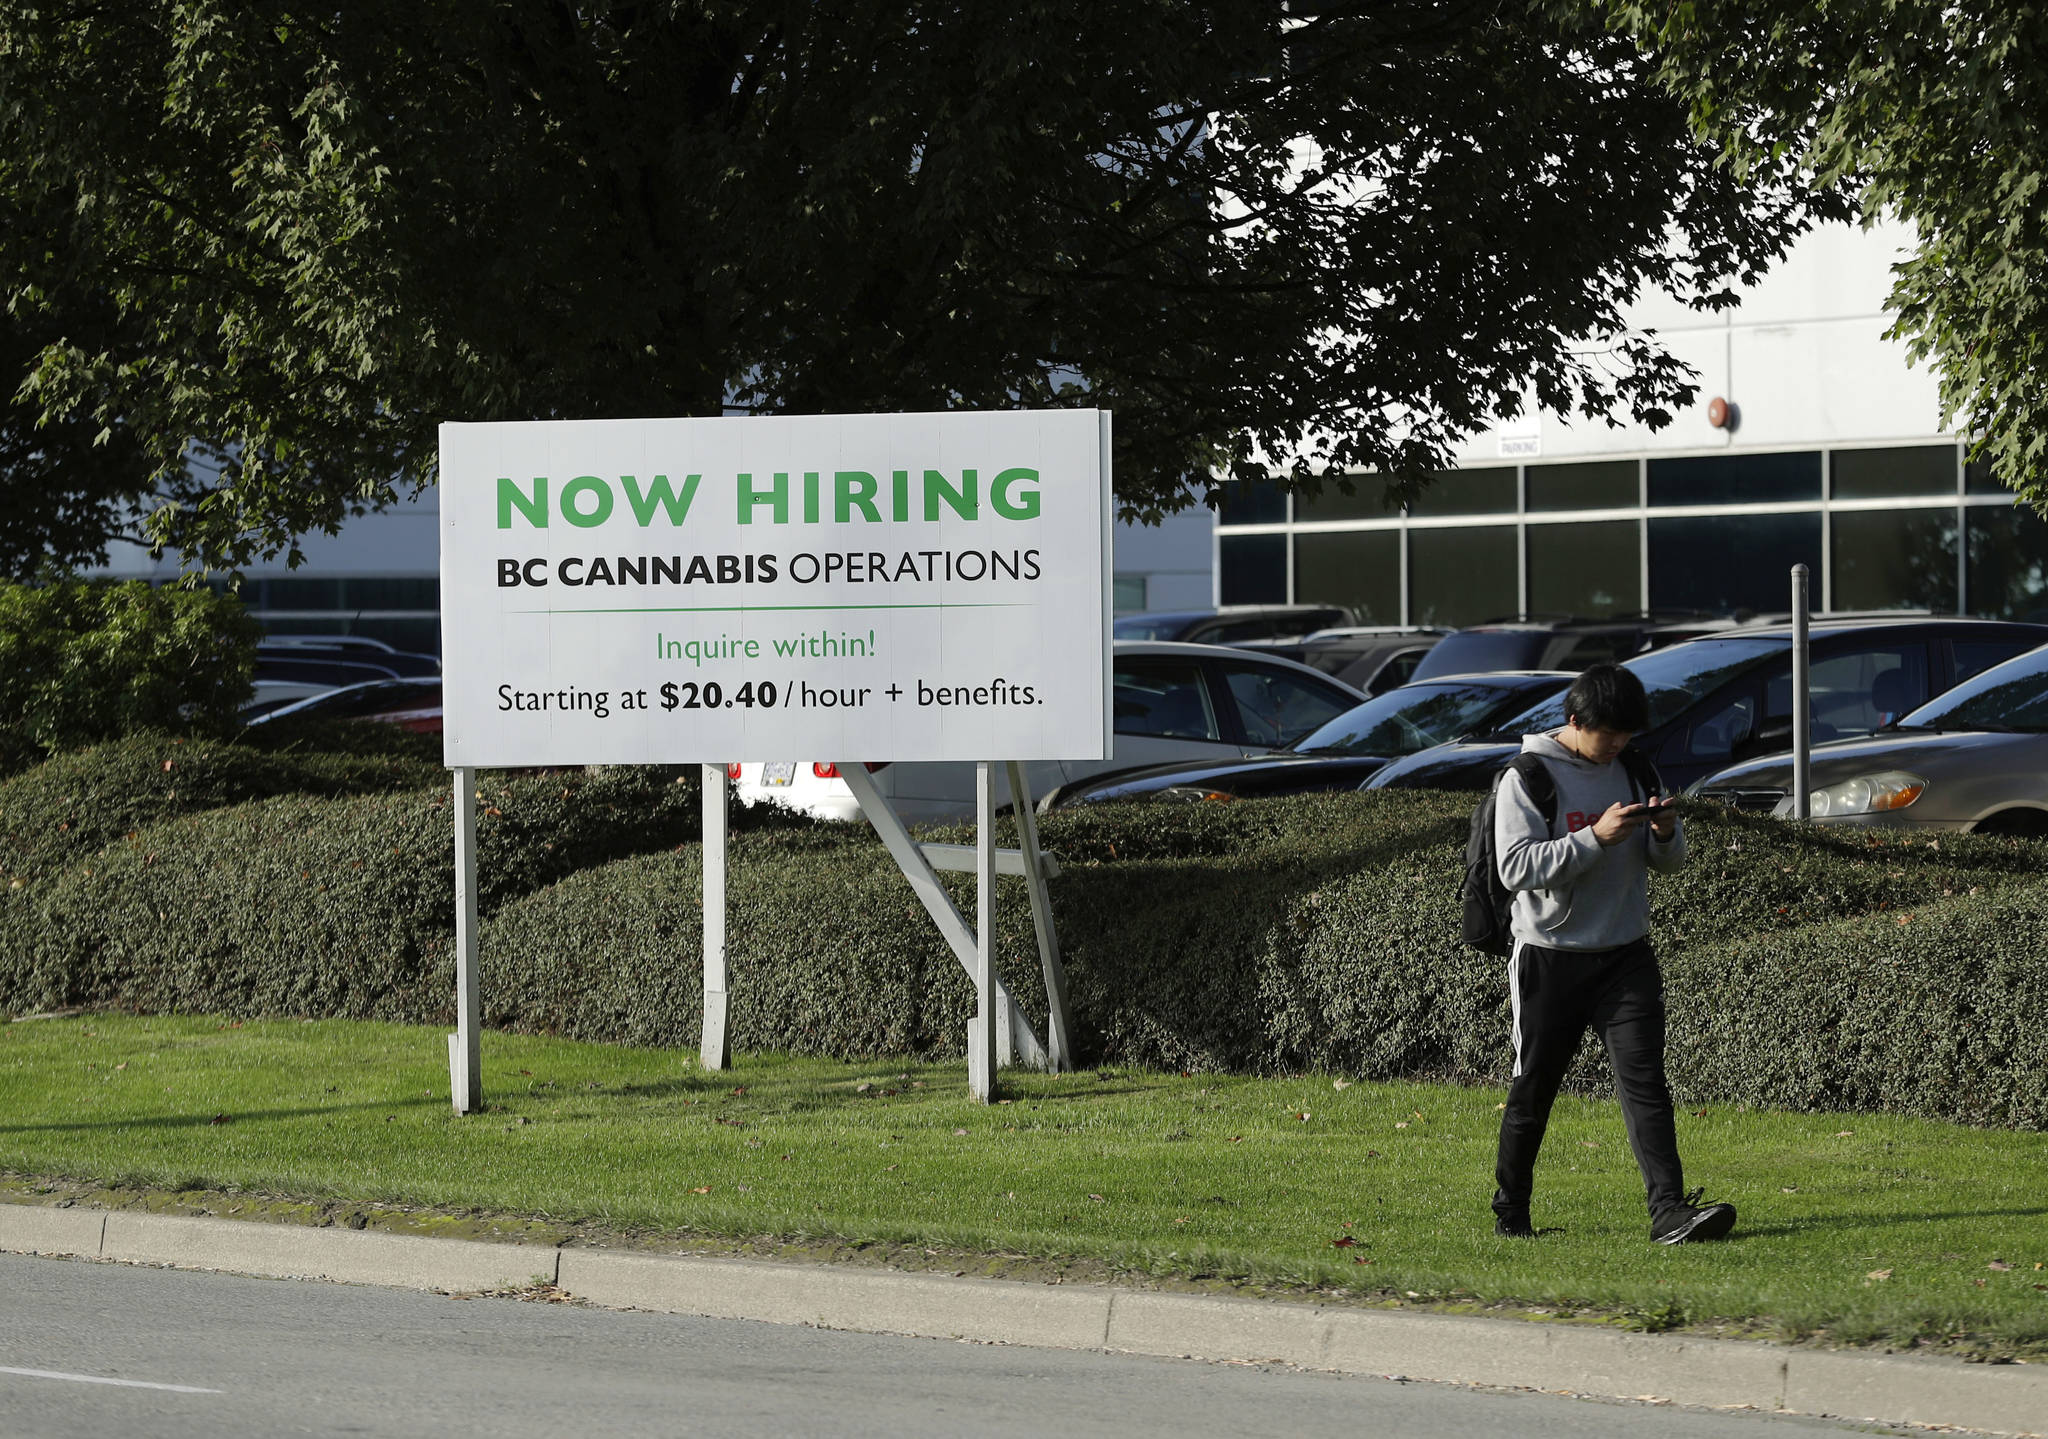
{"x":1579,"y":869}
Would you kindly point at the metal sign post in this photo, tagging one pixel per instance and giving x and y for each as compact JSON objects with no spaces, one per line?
{"x":465,"y":1066}
{"x":716,"y":1048}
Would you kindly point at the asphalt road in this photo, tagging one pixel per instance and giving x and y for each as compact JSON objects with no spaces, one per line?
{"x":89,"y":1349}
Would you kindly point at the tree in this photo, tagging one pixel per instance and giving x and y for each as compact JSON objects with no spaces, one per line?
{"x":1313,"y":244}
{"x":1931,"y":111}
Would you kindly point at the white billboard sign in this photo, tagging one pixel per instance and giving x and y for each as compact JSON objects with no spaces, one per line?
{"x":879,"y":587}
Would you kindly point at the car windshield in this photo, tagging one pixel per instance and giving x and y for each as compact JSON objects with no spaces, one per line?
{"x":1149,"y":627}
{"x":2011,"y":697}
{"x":1674,"y":677}
{"x":1405,"y":720}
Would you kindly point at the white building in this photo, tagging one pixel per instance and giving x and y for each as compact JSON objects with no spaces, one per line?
{"x":1835,"y":456}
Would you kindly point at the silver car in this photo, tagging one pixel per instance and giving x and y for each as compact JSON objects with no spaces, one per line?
{"x":1974,"y":758}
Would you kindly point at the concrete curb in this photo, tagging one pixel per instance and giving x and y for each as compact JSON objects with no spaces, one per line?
{"x":2005,"y":1399}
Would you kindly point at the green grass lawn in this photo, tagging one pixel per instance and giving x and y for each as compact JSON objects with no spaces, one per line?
{"x":1854,"y":1229}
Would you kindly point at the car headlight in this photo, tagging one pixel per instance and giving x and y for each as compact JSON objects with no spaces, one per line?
{"x":1195,"y":794}
{"x":1867,"y":794}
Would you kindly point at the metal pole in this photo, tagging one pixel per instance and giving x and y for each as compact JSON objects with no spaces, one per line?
{"x":1059,"y":1044}
{"x":981,"y":1039}
{"x":715,"y":1048}
{"x":1802,"y":704}
{"x":465,"y":1065}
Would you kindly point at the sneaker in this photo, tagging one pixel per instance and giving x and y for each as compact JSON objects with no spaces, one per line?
{"x":1514,"y":1226}
{"x":1690,"y":1221}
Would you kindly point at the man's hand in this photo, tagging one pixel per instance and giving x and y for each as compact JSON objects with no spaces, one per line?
{"x":1662,"y":815}
{"x":1618,"y":823}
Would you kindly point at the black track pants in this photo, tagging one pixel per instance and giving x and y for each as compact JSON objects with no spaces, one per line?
{"x":1557,"y":993}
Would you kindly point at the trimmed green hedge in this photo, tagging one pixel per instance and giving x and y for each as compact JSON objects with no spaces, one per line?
{"x":72,"y":805}
{"x":1807,"y":968}
{"x":85,"y":661}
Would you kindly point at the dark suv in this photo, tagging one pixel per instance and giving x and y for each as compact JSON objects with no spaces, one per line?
{"x":1728,"y":697}
{"x":1557,"y":643}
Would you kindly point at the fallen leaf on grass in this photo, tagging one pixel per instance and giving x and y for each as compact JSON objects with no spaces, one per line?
{"x":1400,"y":1124}
{"x":1879,"y":1274}
{"x":1098,"y":1199}
{"x":1843,"y":1133}
{"x":218,"y":1119}
{"x":1184,"y":1219}
{"x":1235,"y":1139}
{"x":701,"y":1189}
{"x":1998,"y":1264}
{"x":1340,"y":1084}
{"x":1361,"y":1261}
{"x":1978,"y":1282}
{"x":1343,"y":1242}
{"x":1589,"y":1144}
{"x":959,"y":1131}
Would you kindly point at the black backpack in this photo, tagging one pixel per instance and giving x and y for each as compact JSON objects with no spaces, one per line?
{"x":1487,"y":903}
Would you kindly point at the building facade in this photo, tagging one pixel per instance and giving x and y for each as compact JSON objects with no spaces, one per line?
{"x":1825,"y":448}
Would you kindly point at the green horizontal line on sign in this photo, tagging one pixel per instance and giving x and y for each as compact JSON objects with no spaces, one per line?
{"x":763,"y":609}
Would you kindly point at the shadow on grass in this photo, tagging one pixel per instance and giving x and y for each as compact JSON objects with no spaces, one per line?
{"x":202,"y":1121}
{"x":1797,"y":1228}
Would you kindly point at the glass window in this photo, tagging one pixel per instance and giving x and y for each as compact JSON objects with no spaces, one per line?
{"x":1725,"y":563}
{"x":1605,"y":485}
{"x":1895,"y":560}
{"x":1163,"y":698}
{"x":1278,"y":708}
{"x":2008,"y":563}
{"x":1485,"y":651}
{"x":1253,"y":569}
{"x":1367,"y":501}
{"x":1406,"y":720}
{"x":2015,"y":696}
{"x":1883,"y":474}
{"x":1594,"y":570}
{"x":1736,"y":479}
{"x":1973,"y":657}
{"x":391,"y":594}
{"x":1462,"y":576}
{"x":1361,"y":569}
{"x":1674,"y":677}
{"x":1468,"y":492}
{"x":1252,"y":502}
{"x":1129,"y":593}
{"x":1977,"y":479}
{"x":1855,"y":692}
{"x":1714,"y":736}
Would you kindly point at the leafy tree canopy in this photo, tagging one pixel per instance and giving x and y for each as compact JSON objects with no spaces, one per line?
{"x":1930,"y":109}
{"x":296,"y":237}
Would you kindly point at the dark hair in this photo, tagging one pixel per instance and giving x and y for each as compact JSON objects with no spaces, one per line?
{"x":1608,"y":697}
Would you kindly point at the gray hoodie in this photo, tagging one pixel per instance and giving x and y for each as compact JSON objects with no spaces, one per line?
{"x":1571,"y":892}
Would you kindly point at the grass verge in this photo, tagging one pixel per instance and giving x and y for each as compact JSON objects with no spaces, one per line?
{"x":1855,"y":1230}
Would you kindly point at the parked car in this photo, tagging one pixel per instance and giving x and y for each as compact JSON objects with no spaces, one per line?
{"x":1171,"y":702}
{"x":1555,"y":643}
{"x":1230,"y":624}
{"x":1975,"y":758}
{"x":1728,"y":697}
{"x":1374,"y":660}
{"x":296,"y":667}
{"x":350,"y":649}
{"x":1344,"y":751}
{"x":414,"y":703}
